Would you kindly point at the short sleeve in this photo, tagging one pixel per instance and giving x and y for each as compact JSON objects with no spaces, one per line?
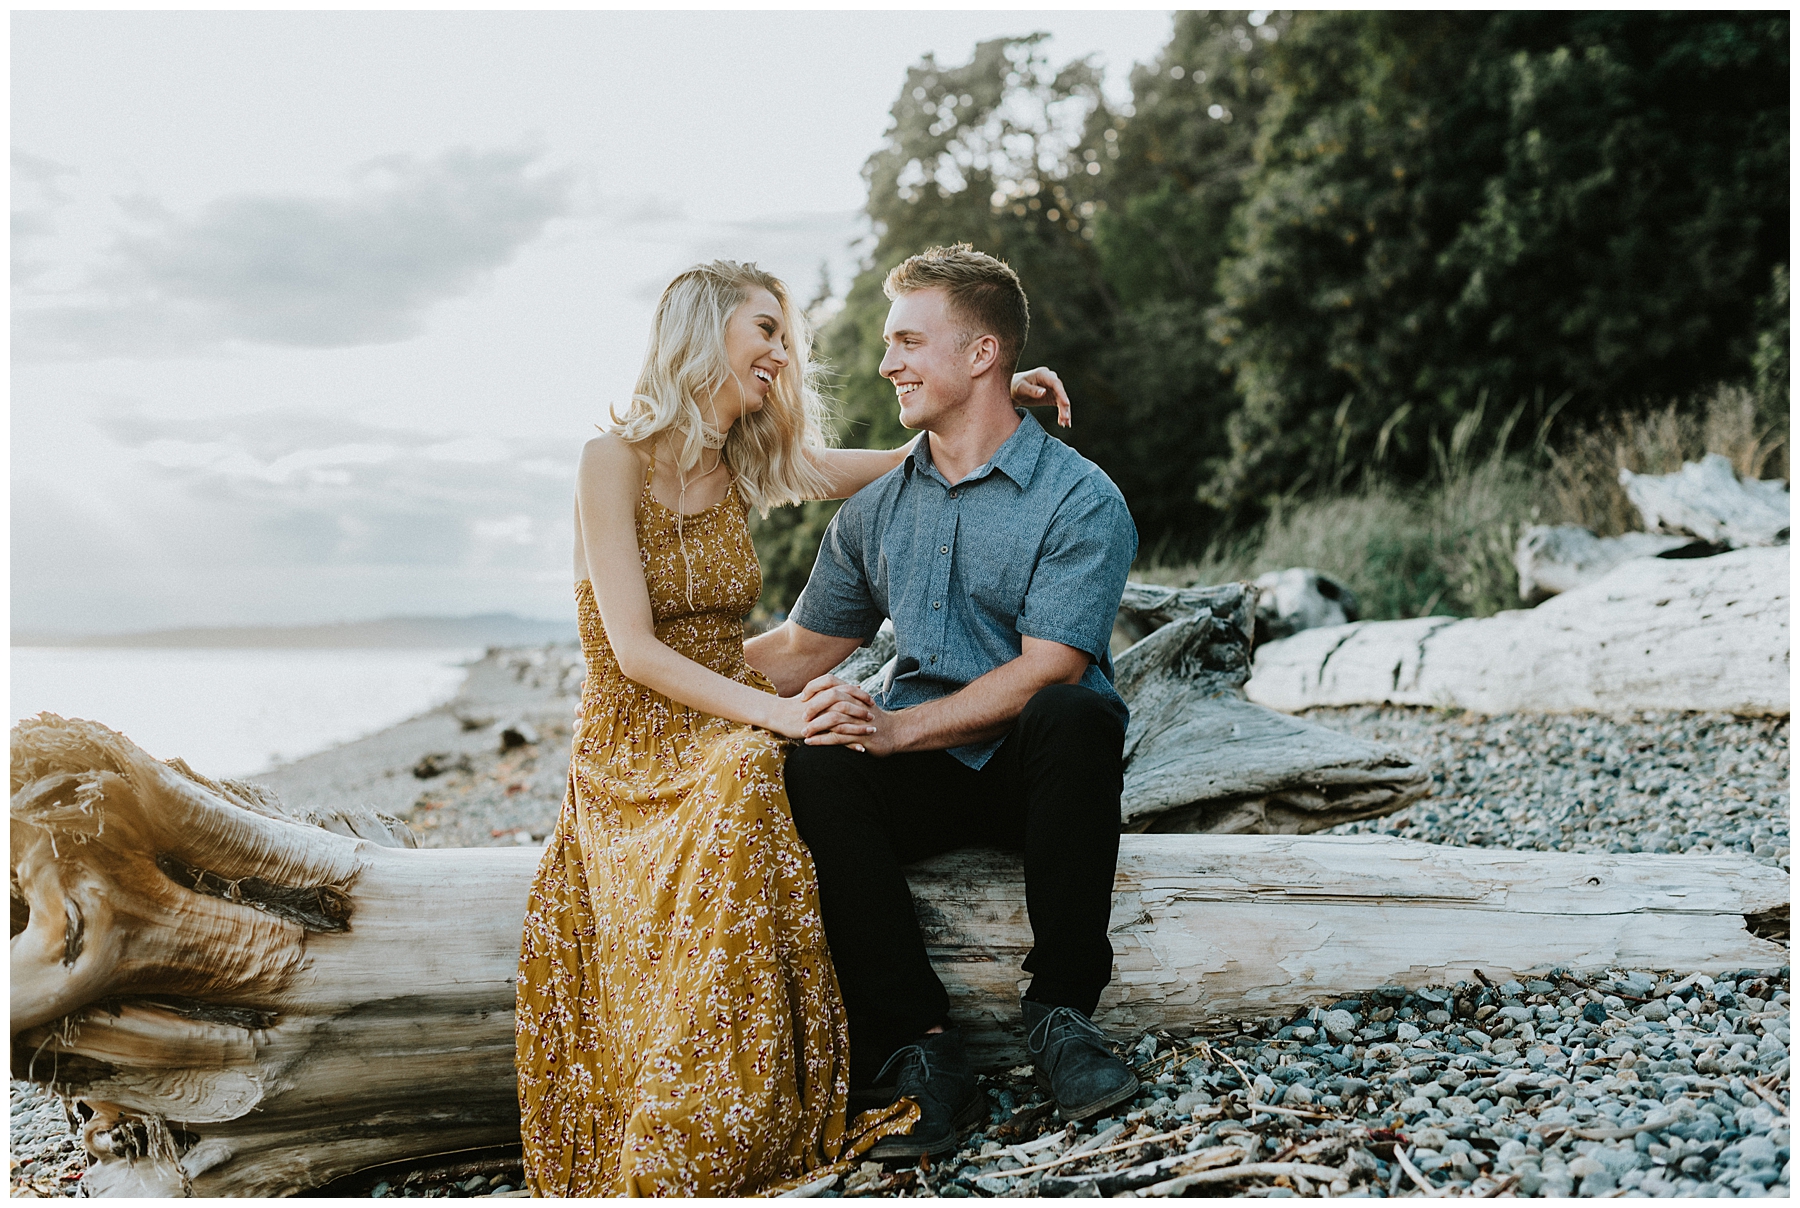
{"x":837,"y":600}
{"x":1081,"y":570}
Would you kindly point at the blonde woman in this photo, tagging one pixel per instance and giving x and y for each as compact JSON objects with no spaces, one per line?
{"x":680,"y":1030}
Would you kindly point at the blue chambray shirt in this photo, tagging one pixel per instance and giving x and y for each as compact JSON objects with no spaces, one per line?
{"x":1037,"y":542}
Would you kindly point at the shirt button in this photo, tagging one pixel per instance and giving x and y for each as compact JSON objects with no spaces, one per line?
{"x":943,"y":549}
{"x":953,"y":494}
{"x":937,"y":603}
{"x":934,"y":658}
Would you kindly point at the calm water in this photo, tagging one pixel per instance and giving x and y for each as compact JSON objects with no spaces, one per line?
{"x":235,"y":712}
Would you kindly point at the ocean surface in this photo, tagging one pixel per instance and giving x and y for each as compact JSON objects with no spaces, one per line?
{"x":235,"y":712}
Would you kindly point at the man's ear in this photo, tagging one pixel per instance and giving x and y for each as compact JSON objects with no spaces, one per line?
{"x":984,"y":354}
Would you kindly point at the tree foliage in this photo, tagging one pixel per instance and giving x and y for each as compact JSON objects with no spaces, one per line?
{"x":1319,"y":245}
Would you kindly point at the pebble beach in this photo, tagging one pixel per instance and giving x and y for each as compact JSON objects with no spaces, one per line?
{"x":1628,"y":1082}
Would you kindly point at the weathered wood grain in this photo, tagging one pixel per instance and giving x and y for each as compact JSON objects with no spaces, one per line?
{"x":1200,"y":759}
{"x":1554,"y":558}
{"x":1244,"y":925}
{"x":1706,"y":498}
{"x":1653,"y":633}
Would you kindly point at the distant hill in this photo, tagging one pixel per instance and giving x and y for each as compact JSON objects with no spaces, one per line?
{"x":487,"y":629}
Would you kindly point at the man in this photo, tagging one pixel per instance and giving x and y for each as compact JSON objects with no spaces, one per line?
{"x":1000,"y":554}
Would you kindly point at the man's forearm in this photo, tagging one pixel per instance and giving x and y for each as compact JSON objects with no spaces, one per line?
{"x":986,"y":708}
{"x":792,"y":657}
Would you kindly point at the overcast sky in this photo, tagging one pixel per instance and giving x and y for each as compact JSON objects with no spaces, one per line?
{"x":312,"y":311}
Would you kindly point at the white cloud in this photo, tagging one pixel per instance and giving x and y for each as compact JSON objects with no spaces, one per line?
{"x":300,"y":271}
{"x":38,"y":195}
{"x":478,"y":450}
{"x":517,"y":529}
{"x":193,"y":508}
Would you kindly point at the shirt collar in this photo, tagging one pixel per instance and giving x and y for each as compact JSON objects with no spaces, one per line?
{"x":1017,"y":458}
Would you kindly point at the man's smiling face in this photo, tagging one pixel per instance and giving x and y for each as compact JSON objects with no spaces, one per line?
{"x":930,"y":373}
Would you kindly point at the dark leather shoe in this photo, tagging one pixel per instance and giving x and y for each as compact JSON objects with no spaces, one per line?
{"x":935,"y":1074}
{"x":1073,"y":1063}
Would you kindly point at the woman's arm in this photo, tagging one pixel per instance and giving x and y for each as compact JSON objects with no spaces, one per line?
{"x":848,"y":471}
{"x":606,"y":493}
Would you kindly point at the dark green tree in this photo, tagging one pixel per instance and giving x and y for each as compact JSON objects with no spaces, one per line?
{"x":1115,"y":222}
{"x":1518,"y":205}
{"x":977,"y":153}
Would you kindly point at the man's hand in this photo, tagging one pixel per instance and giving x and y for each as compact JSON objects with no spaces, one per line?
{"x":837,"y":712}
{"x":1040,"y":387}
{"x":981,"y":710}
{"x":876,"y":732}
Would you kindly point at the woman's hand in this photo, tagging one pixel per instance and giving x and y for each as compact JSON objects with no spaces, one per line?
{"x":1035,"y":387}
{"x":826,"y":704}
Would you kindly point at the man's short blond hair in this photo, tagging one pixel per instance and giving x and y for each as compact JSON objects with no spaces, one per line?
{"x":984,"y":294}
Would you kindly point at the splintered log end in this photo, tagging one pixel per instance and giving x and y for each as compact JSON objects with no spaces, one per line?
{"x":252,"y":1000}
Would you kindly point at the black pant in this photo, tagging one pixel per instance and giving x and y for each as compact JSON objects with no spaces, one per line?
{"x":1051,"y":791}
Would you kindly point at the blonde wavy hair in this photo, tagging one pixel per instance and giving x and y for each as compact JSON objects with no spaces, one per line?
{"x":686,"y":363}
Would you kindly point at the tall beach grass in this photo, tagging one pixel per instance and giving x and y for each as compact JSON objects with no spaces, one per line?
{"x":1445,"y":546}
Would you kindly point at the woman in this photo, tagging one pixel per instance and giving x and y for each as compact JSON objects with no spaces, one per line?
{"x":679,"y":1025}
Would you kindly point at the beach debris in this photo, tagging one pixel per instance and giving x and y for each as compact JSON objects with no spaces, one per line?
{"x":518,"y":733}
{"x":1200,"y":759}
{"x":1554,"y":558}
{"x":439,"y":762}
{"x":472,"y":720}
{"x":199,"y":966}
{"x":1706,"y":499}
{"x":1652,"y":633}
{"x":1194,"y":921}
{"x":1298,"y":598}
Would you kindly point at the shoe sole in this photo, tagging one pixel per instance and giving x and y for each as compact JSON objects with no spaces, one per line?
{"x":1083,"y":1111}
{"x":904,"y":1147}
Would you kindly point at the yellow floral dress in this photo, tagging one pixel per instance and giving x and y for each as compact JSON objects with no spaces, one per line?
{"x":680,"y":1029}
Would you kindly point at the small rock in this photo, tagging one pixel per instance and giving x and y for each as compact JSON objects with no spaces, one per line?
{"x":1339,"y":1024}
{"x":518,"y":733}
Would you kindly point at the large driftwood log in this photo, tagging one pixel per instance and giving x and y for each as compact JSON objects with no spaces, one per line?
{"x":1705,"y":498}
{"x":1221,"y":926}
{"x":1554,"y":558}
{"x":251,"y":1005}
{"x":1697,"y":633}
{"x":1199,"y":759}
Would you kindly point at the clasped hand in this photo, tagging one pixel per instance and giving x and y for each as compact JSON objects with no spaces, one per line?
{"x":830,"y":712}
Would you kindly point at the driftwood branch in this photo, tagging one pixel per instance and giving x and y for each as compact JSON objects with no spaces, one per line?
{"x":1554,"y":558}
{"x":1697,"y":633}
{"x":1199,"y":759}
{"x":253,"y":1004}
{"x":1246,"y":925}
{"x":1705,"y":499}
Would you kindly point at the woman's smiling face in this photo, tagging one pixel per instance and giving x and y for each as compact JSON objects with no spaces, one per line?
{"x":756,"y":351}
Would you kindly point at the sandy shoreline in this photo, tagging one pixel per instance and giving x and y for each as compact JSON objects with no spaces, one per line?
{"x":486,"y":795}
